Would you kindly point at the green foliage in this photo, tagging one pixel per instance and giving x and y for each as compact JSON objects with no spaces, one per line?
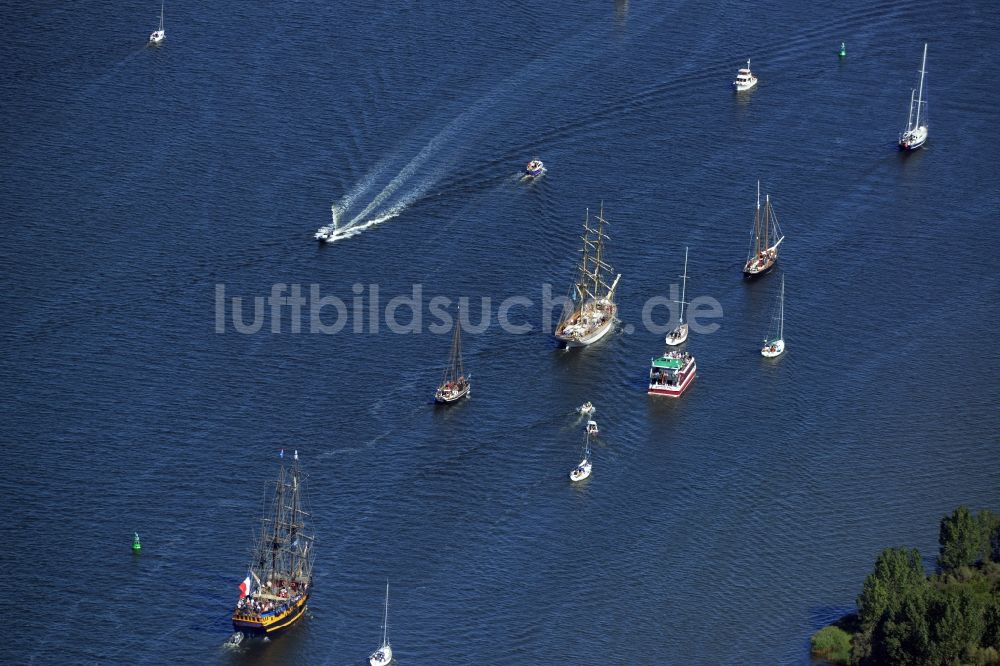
{"x":832,"y":644}
{"x":964,"y":538}
{"x":896,"y":571}
{"x":953,"y":617}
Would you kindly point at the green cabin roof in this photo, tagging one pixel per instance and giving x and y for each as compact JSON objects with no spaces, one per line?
{"x":668,"y":363}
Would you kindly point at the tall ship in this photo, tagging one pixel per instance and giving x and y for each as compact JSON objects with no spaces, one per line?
{"x":763,"y":255}
{"x":275,"y":592}
{"x":671,"y":374}
{"x":595,"y":313}
{"x":915,"y":134}
{"x":455,"y":384}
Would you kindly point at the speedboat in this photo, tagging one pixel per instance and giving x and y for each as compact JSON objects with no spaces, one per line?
{"x":534,"y":168}
{"x":592,"y":427}
{"x":586,"y":408}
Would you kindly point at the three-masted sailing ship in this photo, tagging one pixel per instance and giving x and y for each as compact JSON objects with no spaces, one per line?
{"x":455,"y":384}
{"x":762,"y":254}
{"x":274,"y":594}
{"x":596,"y":312}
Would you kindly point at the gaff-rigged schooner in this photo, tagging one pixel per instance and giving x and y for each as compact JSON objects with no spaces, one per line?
{"x":276,"y":590}
{"x":762,"y":255}
{"x":596,"y":312}
{"x":455,"y":384}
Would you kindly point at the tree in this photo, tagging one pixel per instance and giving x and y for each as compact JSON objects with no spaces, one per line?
{"x":962,"y":538}
{"x":989,"y":523}
{"x":904,"y":637}
{"x":896,"y":571}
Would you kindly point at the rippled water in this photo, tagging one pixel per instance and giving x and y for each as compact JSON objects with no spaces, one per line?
{"x":721,"y":528}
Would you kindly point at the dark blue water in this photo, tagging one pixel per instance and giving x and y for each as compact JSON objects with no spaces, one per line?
{"x":721,"y":528}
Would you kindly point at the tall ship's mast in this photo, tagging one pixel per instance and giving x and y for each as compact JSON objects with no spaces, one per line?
{"x":274,"y":594}
{"x":763,"y":255}
{"x":595,"y":312}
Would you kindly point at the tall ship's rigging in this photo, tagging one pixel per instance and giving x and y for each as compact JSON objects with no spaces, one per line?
{"x":596,"y":312}
{"x":763,"y":254}
{"x":275,"y":592}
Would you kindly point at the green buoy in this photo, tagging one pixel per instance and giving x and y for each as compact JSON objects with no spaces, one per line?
{"x":843,"y":50}
{"x":136,"y":546}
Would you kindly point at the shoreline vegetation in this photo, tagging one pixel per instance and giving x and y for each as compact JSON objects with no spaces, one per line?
{"x":905,"y":616}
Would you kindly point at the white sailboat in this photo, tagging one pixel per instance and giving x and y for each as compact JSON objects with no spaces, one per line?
{"x":680,"y":334}
{"x":915,"y":134}
{"x":583,"y":468}
{"x":776,"y":346}
{"x":383,"y":655}
{"x":159,"y":34}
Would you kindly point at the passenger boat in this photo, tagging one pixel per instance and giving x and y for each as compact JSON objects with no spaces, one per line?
{"x":680,"y":332}
{"x":745,"y":80}
{"x":383,"y":655}
{"x":596,"y":312}
{"x":774,"y":345}
{"x":671,"y":374}
{"x":584,"y":467}
{"x":762,"y":255}
{"x":455,"y":384}
{"x":274,"y":594}
{"x":915,"y":134}
{"x":159,"y":34}
{"x":534,"y":168}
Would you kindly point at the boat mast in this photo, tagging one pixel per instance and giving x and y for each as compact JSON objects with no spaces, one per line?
{"x":161,"y":17}
{"x":766,"y":222}
{"x":756,"y":224}
{"x":385,"y":618}
{"x":684,"y":284}
{"x":597,"y":253}
{"x":920,"y":95}
{"x":781,"y":325}
{"x":909,"y":119}
{"x":581,"y":284}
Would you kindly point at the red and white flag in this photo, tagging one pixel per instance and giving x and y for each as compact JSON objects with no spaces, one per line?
{"x":245,"y":587}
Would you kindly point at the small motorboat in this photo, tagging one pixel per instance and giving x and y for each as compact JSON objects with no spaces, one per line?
{"x":745,"y":79}
{"x":592,"y":427}
{"x":534,"y":168}
{"x":586,"y":408}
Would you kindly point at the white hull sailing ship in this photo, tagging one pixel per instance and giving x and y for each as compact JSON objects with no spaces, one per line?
{"x":584,"y":467}
{"x":762,"y":255}
{"x":680,"y":333}
{"x":455,"y":384}
{"x":915,"y":134}
{"x":596,"y":312}
{"x":775,"y":344}
{"x":159,"y":34}
{"x":383,"y":655}
{"x":274,"y":594}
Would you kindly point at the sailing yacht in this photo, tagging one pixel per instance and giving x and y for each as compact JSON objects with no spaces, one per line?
{"x":583,"y":468}
{"x":762,"y":256}
{"x":680,"y":333}
{"x":274,"y":594}
{"x":915,"y":134}
{"x":774,"y":346}
{"x":383,"y":655}
{"x":159,"y":34}
{"x":745,"y":80}
{"x":455,"y":384}
{"x":596,"y":312}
